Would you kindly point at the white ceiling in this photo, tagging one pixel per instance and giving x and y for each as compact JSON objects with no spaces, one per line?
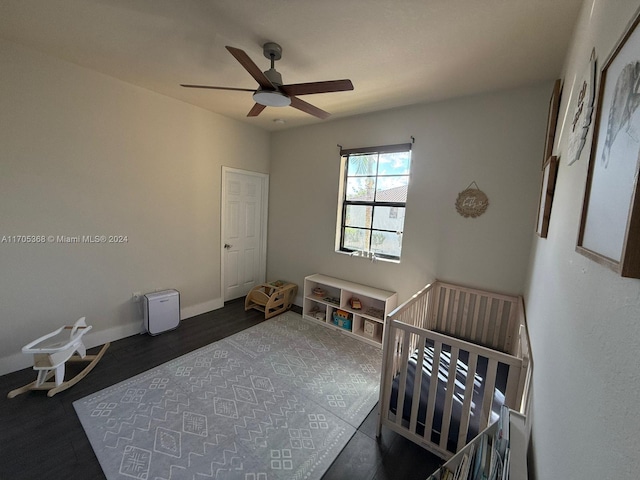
{"x":396,"y":52}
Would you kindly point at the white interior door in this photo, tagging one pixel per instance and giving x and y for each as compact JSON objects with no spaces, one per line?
{"x":244,"y":231}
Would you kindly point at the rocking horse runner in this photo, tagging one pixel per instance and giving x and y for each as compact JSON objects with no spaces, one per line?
{"x":51,"y":351}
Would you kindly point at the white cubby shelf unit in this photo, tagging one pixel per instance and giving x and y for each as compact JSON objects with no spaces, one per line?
{"x":333,"y":294}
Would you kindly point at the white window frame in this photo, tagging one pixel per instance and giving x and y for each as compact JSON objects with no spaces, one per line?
{"x":343,"y":202}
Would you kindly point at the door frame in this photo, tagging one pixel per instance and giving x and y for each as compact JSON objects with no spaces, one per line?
{"x":264,"y":217}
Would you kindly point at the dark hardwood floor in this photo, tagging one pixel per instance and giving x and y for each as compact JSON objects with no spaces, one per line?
{"x":41,"y":437}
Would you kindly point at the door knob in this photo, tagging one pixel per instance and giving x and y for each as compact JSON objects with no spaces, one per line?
{"x":227,"y":246}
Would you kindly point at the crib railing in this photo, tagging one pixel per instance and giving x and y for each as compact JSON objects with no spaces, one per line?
{"x":414,"y":312}
{"x":472,"y":314}
{"x":406,"y":335}
{"x":485,"y":318}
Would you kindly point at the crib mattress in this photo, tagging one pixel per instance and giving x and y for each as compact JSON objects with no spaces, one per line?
{"x":459,"y":393}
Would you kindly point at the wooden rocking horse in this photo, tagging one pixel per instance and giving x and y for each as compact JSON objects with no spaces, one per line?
{"x":52,"y":351}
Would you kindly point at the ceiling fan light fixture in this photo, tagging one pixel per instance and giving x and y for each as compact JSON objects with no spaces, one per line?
{"x":271,"y":98}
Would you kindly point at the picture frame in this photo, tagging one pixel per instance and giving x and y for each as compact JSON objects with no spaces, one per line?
{"x":610,"y":221}
{"x":552,"y":120}
{"x":549,"y":174}
{"x":583,"y":110}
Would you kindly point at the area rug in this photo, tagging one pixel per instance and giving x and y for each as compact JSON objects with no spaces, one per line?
{"x":279,"y":400}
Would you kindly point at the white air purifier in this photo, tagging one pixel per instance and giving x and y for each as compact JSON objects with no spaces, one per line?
{"x":161,"y":311}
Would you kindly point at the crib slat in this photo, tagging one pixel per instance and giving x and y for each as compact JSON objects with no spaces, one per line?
{"x":513,"y":317}
{"x":448,"y":403}
{"x":385,"y":387}
{"x":437,"y":313}
{"x":445,"y":311}
{"x":465,"y":315}
{"x":489,"y":388}
{"x":428,"y":309}
{"x":404,"y":363}
{"x":425,"y":301}
{"x":418,"y":313}
{"x":476,"y":317}
{"x":497,"y":324}
{"x":433,"y":385}
{"x":453,"y":323}
{"x":466,"y":405}
{"x":511,"y":393}
{"x":394,"y":353}
{"x":421,"y":312}
{"x":417,"y":386}
{"x":410,"y":316}
{"x":487,"y":320}
{"x":435,"y":309}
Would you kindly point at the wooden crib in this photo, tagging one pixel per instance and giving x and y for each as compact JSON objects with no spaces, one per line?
{"x":477,"y":341}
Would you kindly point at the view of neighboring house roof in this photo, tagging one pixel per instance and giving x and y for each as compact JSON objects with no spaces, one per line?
{"x":395,"y":194}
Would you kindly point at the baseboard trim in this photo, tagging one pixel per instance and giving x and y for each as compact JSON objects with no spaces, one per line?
{"x":15,"y":362}
{"x":200,"y":308}
{"x":18,"y":361}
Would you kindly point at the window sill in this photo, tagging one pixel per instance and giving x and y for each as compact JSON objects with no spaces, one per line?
{"x":365,"y":256}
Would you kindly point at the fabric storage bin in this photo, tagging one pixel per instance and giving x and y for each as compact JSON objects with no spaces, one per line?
{"x":371,"y":328}
{"x":342,"y":321}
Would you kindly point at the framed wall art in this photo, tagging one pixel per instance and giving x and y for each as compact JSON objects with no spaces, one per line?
{"x":583,"y":110}
{"x":549,"y":174}
{"x":552,"y":120}
{"x":610,"y":222}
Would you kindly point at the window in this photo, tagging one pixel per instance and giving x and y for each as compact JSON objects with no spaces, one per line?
{"x":373,"y":197}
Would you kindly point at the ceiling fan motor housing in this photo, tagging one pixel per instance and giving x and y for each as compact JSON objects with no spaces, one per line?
{"x":274,"y":76}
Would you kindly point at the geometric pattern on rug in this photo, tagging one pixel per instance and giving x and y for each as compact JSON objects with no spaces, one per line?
{"x":279,"y":400}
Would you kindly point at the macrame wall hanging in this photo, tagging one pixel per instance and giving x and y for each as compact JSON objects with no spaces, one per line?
{"x":472,"y":202}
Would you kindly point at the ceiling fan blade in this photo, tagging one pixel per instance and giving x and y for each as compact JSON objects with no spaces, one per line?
{"x":217,"y":88}
{"x":308,"y":108}
{"x":255,"y":111}
{"x":251,"y":67}
{"x":317,"y":87}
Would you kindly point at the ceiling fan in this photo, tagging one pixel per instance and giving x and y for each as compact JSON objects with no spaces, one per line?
{"x":271,"y":92}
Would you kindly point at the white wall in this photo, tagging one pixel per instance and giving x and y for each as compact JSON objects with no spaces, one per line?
{"x":85,"y":154}
{"x":584,"y":320}
{"x":493,"y":139}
